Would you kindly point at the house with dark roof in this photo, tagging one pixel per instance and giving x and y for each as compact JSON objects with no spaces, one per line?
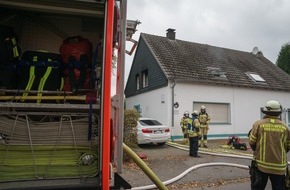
{"x":170,"y":76}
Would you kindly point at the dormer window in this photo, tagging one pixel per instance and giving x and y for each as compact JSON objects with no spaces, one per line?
{"x":217,"y":72}
{"x":256,"y":77}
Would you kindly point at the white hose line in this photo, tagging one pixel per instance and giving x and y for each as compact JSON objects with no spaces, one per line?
{"x":189,"y":170}
{"x":198,"y":166}
{"x":213,"y":153}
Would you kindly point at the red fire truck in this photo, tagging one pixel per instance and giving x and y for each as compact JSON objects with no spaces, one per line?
{"x":56,"y":125}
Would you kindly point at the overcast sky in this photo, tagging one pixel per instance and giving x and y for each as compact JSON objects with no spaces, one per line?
{"x":234,"y":24}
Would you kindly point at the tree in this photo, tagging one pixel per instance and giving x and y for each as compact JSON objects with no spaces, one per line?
{"x":283,"y":60}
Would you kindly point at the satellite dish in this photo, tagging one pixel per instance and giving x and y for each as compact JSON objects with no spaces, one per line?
{"x":255,"y":50}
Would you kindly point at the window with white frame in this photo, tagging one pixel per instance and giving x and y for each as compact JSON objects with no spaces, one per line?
{"x":256,"y":77}
{"x":137,"y":82}
{"x":145,"y":78}
{"x":219,"y":113}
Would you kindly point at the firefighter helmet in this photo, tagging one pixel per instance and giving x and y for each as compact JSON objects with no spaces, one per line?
{"x":195,"y":112}
{"x":272,"y":107}
{"x":202,"y":109}
{"x":186,"y":114}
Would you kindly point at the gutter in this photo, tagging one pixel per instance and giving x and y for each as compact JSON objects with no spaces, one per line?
{"x":172,"y":102}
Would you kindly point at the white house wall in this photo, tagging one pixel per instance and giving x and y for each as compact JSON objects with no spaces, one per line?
{"x":244,"y":104}
{"x":153,"y":104}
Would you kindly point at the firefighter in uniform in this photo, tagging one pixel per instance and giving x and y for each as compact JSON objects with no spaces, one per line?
{"x":183,"y":124}
{"x":204,"y":120}
{"x":270,"y":140}
{"x":193,"y":135}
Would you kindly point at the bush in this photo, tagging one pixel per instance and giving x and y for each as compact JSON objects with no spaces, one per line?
{"x":130,"y":130}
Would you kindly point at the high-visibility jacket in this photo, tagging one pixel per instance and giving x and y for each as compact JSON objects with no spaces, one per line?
{"x":184,"y":123}
{"x":271,"y":139}
{"x":193,"y":128}
{"x":204,"y":119}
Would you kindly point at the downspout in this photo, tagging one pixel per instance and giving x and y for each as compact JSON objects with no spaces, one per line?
{"x":172,"y":104}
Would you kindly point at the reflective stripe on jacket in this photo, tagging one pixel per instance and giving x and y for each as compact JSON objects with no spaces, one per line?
{"x":194,"y":128}
{"x":204,"y":119}
{"x":271,"y":138}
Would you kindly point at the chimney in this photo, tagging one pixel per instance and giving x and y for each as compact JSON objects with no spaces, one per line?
{"x":170,"y":33}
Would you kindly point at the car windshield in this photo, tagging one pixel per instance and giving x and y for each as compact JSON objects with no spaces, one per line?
{"x":149,"y":122}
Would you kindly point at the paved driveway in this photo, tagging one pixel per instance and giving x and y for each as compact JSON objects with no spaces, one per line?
{"x":167,"y":162}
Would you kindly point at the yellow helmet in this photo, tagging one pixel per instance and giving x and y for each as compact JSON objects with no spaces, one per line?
{"x":202,"y":109}
{"x":272,"y":107}
{"x":195,"y":112}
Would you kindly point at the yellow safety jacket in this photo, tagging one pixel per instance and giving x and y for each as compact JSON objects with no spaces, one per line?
{"x":204,"y":119}
{"x":271,"y":139}
{"x":194,"y":128}
{"x":184,"y":123}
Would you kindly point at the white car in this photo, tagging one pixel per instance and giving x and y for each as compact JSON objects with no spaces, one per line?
{"x":151,"y":131}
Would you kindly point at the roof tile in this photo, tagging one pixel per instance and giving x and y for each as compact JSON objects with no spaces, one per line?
{"x":188,"y":61}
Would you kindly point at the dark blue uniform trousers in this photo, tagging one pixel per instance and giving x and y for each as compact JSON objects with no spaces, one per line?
{"x":193,"y":146}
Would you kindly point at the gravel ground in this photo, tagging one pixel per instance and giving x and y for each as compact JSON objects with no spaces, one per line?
{"x":168,"y":162}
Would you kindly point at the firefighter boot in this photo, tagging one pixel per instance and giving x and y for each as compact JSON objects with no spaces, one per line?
{"x":199,"y":141}
{"x":184,"y":141}
{"x":205,"y":142}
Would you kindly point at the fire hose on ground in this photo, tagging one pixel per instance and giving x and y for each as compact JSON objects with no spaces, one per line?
{"x":158,"y":183}
{"x":161,"y":185}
